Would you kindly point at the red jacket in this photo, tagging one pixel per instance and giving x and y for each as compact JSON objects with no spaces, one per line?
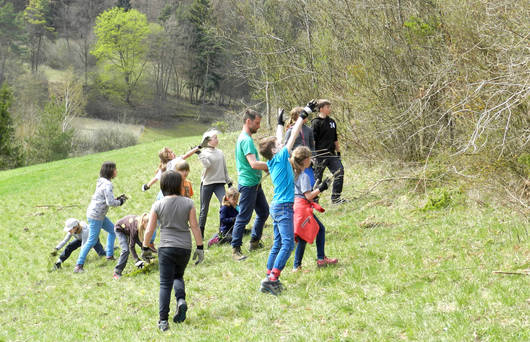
{"x":305,"y":225}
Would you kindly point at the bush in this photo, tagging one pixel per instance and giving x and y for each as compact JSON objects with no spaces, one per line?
{"x":103,"y":140}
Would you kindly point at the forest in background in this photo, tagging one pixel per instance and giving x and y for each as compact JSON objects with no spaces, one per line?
{"x":439,"y":85}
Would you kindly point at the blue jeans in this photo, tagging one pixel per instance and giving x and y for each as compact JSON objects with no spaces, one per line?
{"x":95,"y":227}
{"x":251,"y":199}
{"x":320,"y":242}
{"x":159,"y":196}
{"x":282,"y":216}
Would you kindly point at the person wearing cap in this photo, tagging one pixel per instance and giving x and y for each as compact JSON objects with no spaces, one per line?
{"x":79,"y":230}
{"x":214,"y":174}
{"x":326,"y":139}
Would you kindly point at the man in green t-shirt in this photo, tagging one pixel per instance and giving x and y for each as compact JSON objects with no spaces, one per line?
{"x":252,"y":198}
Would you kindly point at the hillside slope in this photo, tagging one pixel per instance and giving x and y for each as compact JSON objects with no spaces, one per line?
{"x":402,"y":273}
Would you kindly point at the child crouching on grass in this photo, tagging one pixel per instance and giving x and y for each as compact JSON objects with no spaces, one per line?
{"x":79,"y":230}
{"x":281,"y":208}
{"x":176,"y":215}
{"x":227,"y":217}
{"x":130,"y":232}
{"x":306,"y":224}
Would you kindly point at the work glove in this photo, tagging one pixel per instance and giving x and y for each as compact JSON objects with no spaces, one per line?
{"x":198,"y":147}
{"x":140,"y":264}
{"x":147,"y":254}
{"x":338,"y":154}
{"x":324,"y":185}
{"x":54,"y":252}
{"x":205,"y":142}
{"x":281,"y":120}
{"x":145,"y":187}
{"x":122,"y":198}
{"x":308,"y":109}
{"x":229,"y":184}
{"x":198,"y":255}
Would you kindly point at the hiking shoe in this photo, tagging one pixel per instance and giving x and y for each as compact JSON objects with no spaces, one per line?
{"x":57,"y":265}
{"x":273,"y":287}
{"x":163,"y":325}
{"x":255,"y":245}
{"x":78,"y":269}
{"x":326,"y":261}
{"x":237,"y":255}
{"x":111,"y":258}
{"x":116,"y":276}
{"x":339,"y":200}
{"x":182,"y":307}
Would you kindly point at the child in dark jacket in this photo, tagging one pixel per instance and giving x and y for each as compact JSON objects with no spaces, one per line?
{"x":227,"y":217}
{"x":130,"y":232}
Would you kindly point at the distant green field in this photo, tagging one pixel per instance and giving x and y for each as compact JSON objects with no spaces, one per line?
{"x":403,"y":274}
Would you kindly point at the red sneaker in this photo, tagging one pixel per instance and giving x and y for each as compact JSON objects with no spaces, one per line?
{"x":326,"y":261}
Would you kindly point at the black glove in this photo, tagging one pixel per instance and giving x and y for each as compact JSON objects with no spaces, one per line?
{"x":147,"y":254}
{"x":281,"y":120}
{"x":122,"y":198}
{"x":338,"y":154}
{"x":205,"y":142}
{"x":54,"y":252}
{"x":198,"y":147}
{"x":199,"y":254}
{"x":308,"y":109}
{"x":229,"y":184}
{"x":140,"y":264}
{"x":324,"y":185}
{"x":145,"y":187}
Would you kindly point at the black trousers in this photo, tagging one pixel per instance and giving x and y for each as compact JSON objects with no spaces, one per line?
{"x":334,"y":164}
{"x":72,"y":246}
{"x":172,"y":262}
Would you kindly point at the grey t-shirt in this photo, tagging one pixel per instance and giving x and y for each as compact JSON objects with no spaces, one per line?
{"x":302,"y":185}
{"x":173,"y":213}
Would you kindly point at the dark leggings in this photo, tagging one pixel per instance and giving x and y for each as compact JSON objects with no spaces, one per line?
{"x":72,"y":246}
{"x":172,"y":262}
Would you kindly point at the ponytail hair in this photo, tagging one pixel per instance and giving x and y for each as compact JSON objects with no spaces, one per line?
{"x":165,"y":157}
{"x":298,"y":156}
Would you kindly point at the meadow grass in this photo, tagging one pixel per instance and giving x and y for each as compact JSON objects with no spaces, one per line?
{"x":403,"y":273}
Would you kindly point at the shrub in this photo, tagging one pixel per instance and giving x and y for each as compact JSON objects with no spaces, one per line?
{"x":103,"y":140}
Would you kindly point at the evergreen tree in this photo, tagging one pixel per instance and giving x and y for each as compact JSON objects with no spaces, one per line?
{"x":9,"y":151}
{"x":125,"y":4}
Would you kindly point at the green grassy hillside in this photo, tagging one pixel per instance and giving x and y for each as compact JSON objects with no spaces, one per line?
{"x":403,"y":274}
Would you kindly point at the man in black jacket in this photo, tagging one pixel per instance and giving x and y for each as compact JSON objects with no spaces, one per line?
{"x":327,"y":145}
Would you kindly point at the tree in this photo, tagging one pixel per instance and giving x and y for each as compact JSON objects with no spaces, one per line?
{"x":10,"y":155}
{"x":11,"y":35}
{"x":205,"y":49}
{"x":125,"y":4}
{"x":38,"y":27}
{"x":51,"y":141}
{"x":68,"y":95}
{"x":122,"y":45}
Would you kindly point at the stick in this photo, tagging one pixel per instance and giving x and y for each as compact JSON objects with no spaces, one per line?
{"x":513,"y":273}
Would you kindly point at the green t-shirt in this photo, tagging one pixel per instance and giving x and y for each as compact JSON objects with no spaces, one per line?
{"x":247,"y":176}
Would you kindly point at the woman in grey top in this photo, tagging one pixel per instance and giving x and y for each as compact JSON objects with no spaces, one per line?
{"x":214,"y":175}
{"x":102,"y":199}
{"x":176,"y":215}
